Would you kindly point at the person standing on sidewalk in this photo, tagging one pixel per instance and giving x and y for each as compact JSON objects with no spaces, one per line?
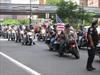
{"x":92,"y":36}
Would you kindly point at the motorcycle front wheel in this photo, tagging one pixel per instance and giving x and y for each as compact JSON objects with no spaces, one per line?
{"x":76,"y":53}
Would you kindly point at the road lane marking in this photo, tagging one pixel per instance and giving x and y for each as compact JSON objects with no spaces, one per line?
{"x":31,"y":71}
{"x":3,"y":39}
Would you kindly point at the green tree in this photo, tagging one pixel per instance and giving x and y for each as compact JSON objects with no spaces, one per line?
{"x":72,"y":13}
{"x":11,"y":21}
{"x":84,"y":16}
{"x":24,"y":21}
{"x":53,"y":2}
{"x":66,"y":10}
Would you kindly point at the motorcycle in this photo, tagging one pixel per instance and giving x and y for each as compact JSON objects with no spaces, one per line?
{"x":9,"y":35}
{"x":18,"y":38}
{"x":41,"y":35}
{"x":53,"y":45}
{"x":68,"y":46}
{"x":0,"y":32}
{"x":13,"y":35}
{"x":27,"y":39}
{"x":98,"y":50}
{"x":82,"y":42}
{"x":5,"y":34}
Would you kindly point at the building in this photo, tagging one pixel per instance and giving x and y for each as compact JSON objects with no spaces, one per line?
{"x":35,"y":1}
{"x":28,"y":1}
{"x":83,"y":2}
{"x":42,"y":1}
{"x":5,"y":1}
{"x":5,"y":16}
{"x":21,"y":16}
{"x":94,"y":3}
{"x":90,"y":3}
{"x":32,"y":2}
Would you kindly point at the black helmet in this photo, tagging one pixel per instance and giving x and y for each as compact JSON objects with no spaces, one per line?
{"x":67,"y":26}
{"x":94,"y":22}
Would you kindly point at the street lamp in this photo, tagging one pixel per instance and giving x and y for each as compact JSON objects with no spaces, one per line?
{"x":82,"y":12}
{"x":30,"y":19}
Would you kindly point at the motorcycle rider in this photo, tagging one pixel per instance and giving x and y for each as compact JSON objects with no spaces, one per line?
{"x":9,"y":32}
{"x":32,"y":30}
{"x":13,"y":33}
{"x":19,"y":32}
{"x":80,"y":34}
{"x":64,"y":37}
{"x":26,"y":30}
{"x":69,"y":33}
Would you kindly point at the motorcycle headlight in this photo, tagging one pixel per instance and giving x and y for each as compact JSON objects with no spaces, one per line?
{"x":22,"y":32}
{"x":29,"y":33}
{"x":13,"y":31}
{"x":9,"y":32}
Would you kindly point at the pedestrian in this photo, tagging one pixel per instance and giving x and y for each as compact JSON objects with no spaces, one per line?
{"x":92,"y":36}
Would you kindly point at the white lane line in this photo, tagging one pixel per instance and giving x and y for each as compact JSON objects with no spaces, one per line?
{"x":3,"y":39}
{"x":31,"y":71}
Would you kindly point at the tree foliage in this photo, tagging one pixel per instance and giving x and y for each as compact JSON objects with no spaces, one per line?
{"x":83,"y":15}
{"x":67,"y":10}
{"x":53,"y":2}
{"x":24,"y":21}
{"x":72,"y":13}
{"x":9,"y":21}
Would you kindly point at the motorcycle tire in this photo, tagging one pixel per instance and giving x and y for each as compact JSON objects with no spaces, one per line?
{"x":56,"y":46}
{"x":19,"y":40}
{"x":11,"y":39}
{"x":30,"y":42}
{"x":16,"y":40}
{"x":22,"y":43}
{"x":50,"y":49}
{"x":99,"y":55}
{"x":76,"y":53}
{"x":8,"y":39}
{"x":61,"y":54}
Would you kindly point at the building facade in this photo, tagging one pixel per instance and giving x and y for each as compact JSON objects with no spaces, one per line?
{"x":83,"y":2}
{"x":94,"y":3}
{"x":5,"y":1}
{"x":90,"y":3}
{"x":5,"y":16}
{"x":32,"y":2}
{"x":42,"y":1}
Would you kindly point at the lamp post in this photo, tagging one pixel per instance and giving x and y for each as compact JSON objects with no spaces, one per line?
{"x":82,"y":12}
{"x":30,"y":18}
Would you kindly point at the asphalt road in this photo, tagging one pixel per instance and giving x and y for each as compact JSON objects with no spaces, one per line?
{"x":37,"y":58}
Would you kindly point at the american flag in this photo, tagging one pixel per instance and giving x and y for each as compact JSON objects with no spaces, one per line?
{"x":59,"y":23}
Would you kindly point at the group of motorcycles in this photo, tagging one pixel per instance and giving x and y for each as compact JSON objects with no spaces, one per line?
{"x":24,"y":35}
{"x":57,"y":42}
